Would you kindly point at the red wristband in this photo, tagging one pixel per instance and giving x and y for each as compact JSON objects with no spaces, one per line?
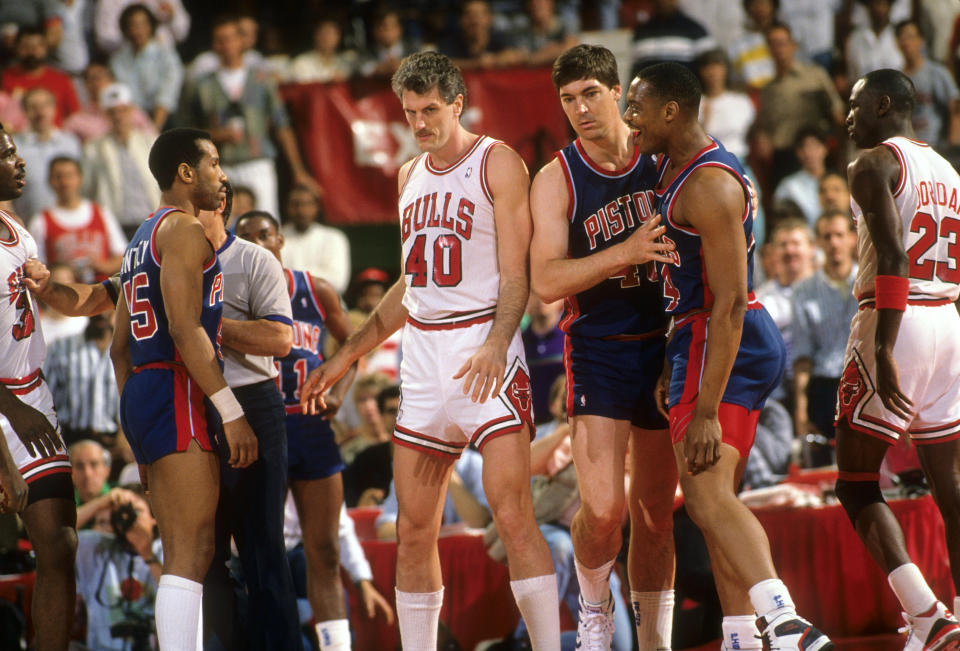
{"x":891,"y":292}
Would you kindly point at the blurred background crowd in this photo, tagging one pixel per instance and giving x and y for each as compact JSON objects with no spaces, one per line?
{"x":86,"y":85}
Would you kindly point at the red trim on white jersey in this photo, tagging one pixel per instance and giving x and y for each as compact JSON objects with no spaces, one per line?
{"x":14,"y":233}
{"x":440,"y":172}
{"x":902,"y":177}
{"x":23,"y":385}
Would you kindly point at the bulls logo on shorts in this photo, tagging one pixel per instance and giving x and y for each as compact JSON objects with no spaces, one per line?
{"x":852,"y":389}
{"x":519,"y":395}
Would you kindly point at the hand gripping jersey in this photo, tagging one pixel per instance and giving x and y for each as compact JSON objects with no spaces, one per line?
{"x":927,"y":200}
{"x":684,"y":281}
{"x":604,"y":208}
{"x":306,"y":353}
{"x":21,"y":340}
{"x":449,"y":240}
{"x":150,"y":339}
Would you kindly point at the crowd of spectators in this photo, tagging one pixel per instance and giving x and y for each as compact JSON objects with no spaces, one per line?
{"x":86,"y":85}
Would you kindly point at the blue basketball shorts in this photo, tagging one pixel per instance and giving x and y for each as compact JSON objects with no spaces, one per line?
{"x":312,"y":451}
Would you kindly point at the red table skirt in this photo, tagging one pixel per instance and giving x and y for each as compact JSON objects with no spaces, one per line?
{"x":833,"y":580}
{"x":477,"y":601}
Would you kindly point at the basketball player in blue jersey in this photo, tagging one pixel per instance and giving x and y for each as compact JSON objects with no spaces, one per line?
{"x":725,"y":355}
{"x":314,"y":458}
{"x":166,"y":355}
{"x":594,"y":232}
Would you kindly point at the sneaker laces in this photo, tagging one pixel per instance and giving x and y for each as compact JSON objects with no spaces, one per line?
{"x":908,"y":628}
{"x":596,"y":626}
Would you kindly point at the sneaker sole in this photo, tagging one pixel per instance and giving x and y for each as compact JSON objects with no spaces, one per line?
{"x":949,"y":642}
{"x":823,"y":644}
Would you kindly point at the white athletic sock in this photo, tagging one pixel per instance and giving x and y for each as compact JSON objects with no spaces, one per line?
{"x":200,"y":639}
{"x":594,"y":583}
{"x":418,"y":614}
{"x":178,"y":605}
{"x":653,"y":617}
{"x":540,"y":608}
{"x":334,"y":635}
{"x":771,"y":599}
{"x":911,"y":589}
{"x":956,"y":605}
{"x":740,"y":632}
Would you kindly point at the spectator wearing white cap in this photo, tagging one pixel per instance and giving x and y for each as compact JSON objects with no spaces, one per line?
{"x":118,"y":176}
{"x":91,"y":120}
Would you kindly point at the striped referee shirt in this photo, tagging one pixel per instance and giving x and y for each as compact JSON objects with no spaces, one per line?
{"x":84,"y":388}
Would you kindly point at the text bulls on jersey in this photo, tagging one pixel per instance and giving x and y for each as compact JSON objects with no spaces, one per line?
{"x":432,"y":211}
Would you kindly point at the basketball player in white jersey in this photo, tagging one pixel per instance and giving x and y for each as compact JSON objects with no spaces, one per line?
{"x":902,"y":367}
{"x":34,"y":468}
{"x":465,"y":227}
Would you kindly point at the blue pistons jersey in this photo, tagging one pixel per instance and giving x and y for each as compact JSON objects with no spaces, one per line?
{"x":604,"y":208}
{"x":306,"y":353}
{"x":684,"y":280}
{"x":150,"y":339}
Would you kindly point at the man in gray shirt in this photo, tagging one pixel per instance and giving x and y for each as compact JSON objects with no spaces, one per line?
{"x":256,"y":327}
{"x":823,"y":306}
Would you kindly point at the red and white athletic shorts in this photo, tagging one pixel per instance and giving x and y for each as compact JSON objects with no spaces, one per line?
{"x":928,"y":358}
{"x":33,"y":390}
{"x":435,"y":416}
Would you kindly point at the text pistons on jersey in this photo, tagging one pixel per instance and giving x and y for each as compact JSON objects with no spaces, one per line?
{"x":618,"y":216}
{"x":937,"y":194}
{"x":431,"y":211}
{"x":306,"y":336}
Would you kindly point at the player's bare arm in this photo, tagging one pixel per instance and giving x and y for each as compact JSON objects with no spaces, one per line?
{"x":872,"y":177}
{"x":71,"y":299}
{"x":712,"y":202}
{"x":509,"y":186}
{"x":13,"y":497}
{"x":184,"y":250}
{"x":258,"y":336}
{"x":552,"y":274}
{"x":388,"y":317}
{"x":339,"y":327}
{"x":120,"y":346}
{"x":32,"y":427}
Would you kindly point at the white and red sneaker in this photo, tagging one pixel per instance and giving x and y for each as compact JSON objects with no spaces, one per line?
{"x":935,"y":630}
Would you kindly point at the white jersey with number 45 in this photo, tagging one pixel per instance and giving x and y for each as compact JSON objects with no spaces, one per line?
{"x":22,"y":348}
{"x":927,"y":197}
{"x":449,"y":239}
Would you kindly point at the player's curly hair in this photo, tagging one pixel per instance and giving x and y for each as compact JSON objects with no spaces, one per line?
{"x":172,"y":147}
{"x":423,"y":71}
{"x":586,"y":62}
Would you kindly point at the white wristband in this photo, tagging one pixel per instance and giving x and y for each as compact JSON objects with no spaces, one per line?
{"x":226,"y":403}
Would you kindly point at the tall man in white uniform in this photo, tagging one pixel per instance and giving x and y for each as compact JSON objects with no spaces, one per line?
{"x":465,"y":228}
{"x":902,"y":368}
{"x":34,"y":469}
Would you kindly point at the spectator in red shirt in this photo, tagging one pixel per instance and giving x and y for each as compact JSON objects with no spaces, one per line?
{"x":32,"y":71}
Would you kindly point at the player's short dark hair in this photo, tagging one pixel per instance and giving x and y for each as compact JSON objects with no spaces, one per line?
{"x":128,"y":13}
{"x":56,"y":160}
{"x":673,"y":82}
{"x":895,"y":85}
{"x":387,"y":393}
{"x":258,"y":214}
{"x":586,"y":62}
{"x":173,"y":147}
{"x":423,"y":71}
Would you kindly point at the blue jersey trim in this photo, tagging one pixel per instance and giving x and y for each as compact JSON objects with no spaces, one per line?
{"x":230,"y":238}
{"x":278,"y":317}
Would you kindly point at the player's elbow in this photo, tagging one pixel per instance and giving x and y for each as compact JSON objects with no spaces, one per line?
{"x":546,"y":291}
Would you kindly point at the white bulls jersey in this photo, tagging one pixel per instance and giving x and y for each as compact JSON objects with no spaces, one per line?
{"x":22,"y":348}
{"x":449,"y":239}
{"x":928,"y":200}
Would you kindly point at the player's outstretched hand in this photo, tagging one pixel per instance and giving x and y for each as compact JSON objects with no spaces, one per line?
{"x":36,"y":276}
{"x":483,"y":372}
{"x":374,"y":601}
{"x":312,"y":398}
{"x":888,"y":385}
{"x":33,"y":429}
{"x":701,"y":443}
{"x":241,"y":441}
{"x":13,"y":488}
{"x":645,"y":243}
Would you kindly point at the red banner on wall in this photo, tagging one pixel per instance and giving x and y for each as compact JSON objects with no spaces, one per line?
{"x":355,"y":138}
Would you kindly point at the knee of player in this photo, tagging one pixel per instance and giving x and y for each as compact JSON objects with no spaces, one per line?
{"x":325,"y":553}
{"x":57,"y":551}
{"x":602,"y":517}
{"x":413,"y":533}
{"x":857,"y":495}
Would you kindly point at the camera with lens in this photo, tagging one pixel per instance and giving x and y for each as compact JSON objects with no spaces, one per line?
{"x":122,"y":518}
